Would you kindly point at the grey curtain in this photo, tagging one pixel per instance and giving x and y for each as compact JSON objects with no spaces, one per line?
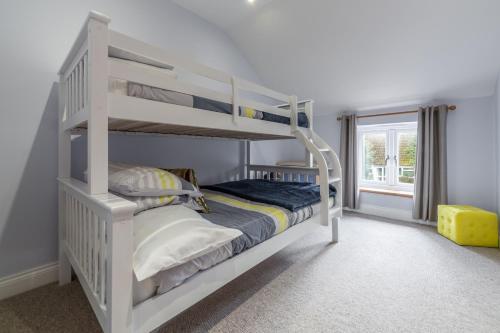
{"x":430,"y":175}
{"x":348,"y":160}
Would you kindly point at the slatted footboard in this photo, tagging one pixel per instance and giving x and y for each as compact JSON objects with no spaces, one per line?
{"x":96,"y":240}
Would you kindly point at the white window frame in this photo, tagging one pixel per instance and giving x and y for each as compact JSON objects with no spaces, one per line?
{"x":392,"y":155}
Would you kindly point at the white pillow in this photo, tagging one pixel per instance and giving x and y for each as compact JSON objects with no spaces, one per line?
{"x":173,"y":235}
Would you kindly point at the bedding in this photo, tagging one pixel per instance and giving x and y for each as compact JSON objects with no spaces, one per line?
{"x":166,"y":280}
{"x":145,"y":203}
{"x":290,"y":195}
{"x":173,"y":235}
{"x":150,"y":187}
{"x":167,"y":96}
{"x":257,"y":221}
{"x":161,"y":95}
{"x":122,"y":87}
{"x":173,"y":243}
{"x":228,"y":214}
{"x":142,"y":181}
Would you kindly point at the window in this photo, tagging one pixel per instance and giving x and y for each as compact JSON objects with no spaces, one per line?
{"x":387,"y":156}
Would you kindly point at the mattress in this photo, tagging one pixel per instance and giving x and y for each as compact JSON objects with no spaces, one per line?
{"x":123,"y":87}
{"x":257,"y":221}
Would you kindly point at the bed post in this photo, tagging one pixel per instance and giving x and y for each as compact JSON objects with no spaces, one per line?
{"x":97,"y":134}
{"x":244,"y":159}
{"x":335,"y":229}
{"x":119,"y":228}
{"x":64,"y":171}
{"x":119,"y":284}
{"x":339,"y":202}
{"x":308,"y":108}
{"x":247,"y":158}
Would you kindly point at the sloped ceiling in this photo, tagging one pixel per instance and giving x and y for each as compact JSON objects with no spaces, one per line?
{"x":223,"y":13}
{"x":359,"y":54}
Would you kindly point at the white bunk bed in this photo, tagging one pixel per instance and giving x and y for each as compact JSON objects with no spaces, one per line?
{"x":95,"y":227}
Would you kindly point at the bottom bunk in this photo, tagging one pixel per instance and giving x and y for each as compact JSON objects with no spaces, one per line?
{"x":256,"y":221}
{"x":148,"y":253}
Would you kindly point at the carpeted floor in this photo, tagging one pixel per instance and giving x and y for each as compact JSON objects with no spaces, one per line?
{"x":381,"y":277}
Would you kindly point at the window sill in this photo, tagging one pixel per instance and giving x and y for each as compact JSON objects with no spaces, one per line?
{"x":403,"y":194}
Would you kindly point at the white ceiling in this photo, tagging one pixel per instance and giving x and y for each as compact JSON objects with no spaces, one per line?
{"x":356,"y":54}
{"x":223,"y":13}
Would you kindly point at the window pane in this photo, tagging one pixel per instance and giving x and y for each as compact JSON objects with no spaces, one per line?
{"x":407,"y":149}
{"x":374,"y":168}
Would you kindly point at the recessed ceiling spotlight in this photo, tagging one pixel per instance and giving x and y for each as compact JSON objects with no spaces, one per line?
{"x":251,"y":1}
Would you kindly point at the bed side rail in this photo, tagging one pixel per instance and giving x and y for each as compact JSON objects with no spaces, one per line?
{"x":96,"y":235}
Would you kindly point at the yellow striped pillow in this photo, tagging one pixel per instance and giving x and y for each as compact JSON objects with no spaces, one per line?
{"x":142,"y":181}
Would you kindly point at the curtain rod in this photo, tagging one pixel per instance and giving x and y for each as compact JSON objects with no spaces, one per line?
{"x":450,"y":108}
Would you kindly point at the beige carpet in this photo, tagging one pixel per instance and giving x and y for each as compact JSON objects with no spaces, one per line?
{"x":381,"y":277}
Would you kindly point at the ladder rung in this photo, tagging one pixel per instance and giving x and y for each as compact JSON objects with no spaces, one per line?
{"x":332,"y":180}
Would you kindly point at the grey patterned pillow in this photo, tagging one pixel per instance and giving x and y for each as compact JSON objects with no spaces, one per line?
{"x":141,"y":181}
{"x":151,"y":187}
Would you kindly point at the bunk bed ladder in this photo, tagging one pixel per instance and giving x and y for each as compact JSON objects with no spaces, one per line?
{"x":328,"y":163}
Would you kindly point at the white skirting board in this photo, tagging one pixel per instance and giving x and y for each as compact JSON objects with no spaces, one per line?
{"x":389,"y":213}
{"x":30,"y":279}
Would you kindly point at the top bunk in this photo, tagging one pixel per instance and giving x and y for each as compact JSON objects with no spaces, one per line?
{"x":110,"y":79}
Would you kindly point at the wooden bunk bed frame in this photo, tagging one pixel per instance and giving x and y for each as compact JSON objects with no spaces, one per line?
{"x":95,"y":227}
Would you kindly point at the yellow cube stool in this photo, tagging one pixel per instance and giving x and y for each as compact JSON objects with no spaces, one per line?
{"x":467,"y":225}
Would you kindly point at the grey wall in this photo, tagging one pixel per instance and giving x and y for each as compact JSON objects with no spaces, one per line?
{"x":471,"y":153}
{"x":328,"y":127}
{"x":496,"y":102}
{"x":35,"y":37}
{"x":270,"y":152}
{"x":213,"y":160}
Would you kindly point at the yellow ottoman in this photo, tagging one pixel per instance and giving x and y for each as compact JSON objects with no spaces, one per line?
{"x":467,"y":225}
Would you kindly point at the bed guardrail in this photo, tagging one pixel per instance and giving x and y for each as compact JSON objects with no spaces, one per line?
{"x":75,"y":90}
{"x":132,"y":48}
{"x":78,"y":69}
{"x":283,"y":173}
